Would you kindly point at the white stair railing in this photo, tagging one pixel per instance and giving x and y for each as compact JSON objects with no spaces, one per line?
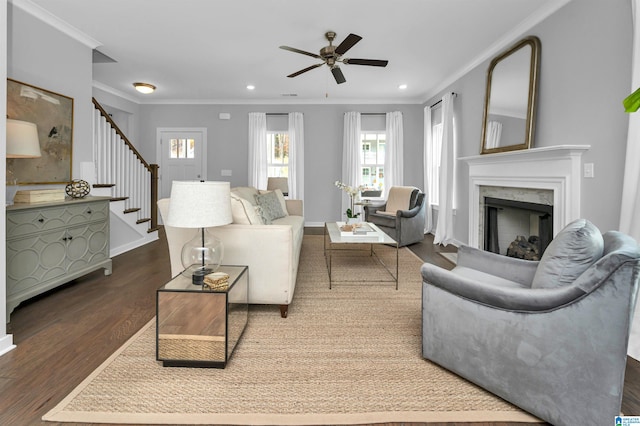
{"x":120,"y":165}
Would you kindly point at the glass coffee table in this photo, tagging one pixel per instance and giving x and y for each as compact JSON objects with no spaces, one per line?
{"x":337,"y":242}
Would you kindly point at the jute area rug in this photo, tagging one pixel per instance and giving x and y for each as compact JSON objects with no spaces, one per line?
{"x":343,"y":356}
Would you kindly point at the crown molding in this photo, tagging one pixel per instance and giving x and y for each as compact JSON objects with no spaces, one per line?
{"x":294,"y":101}
{"x":510,"y":37}
{"x":112,"y":91}
{"x":57,"y":23}
{"x":291,"y":101}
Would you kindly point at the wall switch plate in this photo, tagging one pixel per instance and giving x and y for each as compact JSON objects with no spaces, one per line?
{"x":589,"y":170}
{"x":225,"y":172}
{"x":224,"y":116}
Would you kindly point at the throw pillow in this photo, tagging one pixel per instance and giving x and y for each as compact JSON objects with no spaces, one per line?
{"x":283,"y":202}
{"x":260,"y":212}
{"x":271,"y":207}
{"x":246,"y":192}
{"x":243,"y":212}
{"x":569,"y":254}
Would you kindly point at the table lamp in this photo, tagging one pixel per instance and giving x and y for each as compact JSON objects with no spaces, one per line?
{"x":281,"y":183}
{"x":22,"y":142}
{"x":200,"y":204}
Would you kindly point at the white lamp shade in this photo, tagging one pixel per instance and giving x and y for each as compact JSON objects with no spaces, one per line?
{"x":22,"y":139}
{"x":196,"y":204}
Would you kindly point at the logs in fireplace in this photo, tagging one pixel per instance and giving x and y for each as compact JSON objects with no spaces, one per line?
{"x":509,"y":219}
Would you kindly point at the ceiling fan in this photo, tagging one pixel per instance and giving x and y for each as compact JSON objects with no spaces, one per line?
{"x":331,"y":55}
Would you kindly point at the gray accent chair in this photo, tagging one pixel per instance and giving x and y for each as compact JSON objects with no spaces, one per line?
{"x":551,"y":336}
{"x":407,"y":226}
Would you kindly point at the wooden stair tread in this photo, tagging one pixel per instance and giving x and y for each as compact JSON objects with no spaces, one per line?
{"x":104,"y":185}
{"x":132,"y":210}
{"x":119,"y":198}
{"x":146,"y":219}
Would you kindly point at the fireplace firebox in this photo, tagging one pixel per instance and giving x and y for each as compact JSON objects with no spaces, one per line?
{"x":517,"y":228}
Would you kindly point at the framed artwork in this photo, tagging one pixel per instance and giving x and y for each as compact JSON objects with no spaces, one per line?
{"x":52,"y":113}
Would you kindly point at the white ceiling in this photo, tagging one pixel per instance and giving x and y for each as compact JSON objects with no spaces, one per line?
{"x":208,"y":51}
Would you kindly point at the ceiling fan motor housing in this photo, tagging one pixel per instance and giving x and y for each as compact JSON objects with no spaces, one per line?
{"x":328,"y":52}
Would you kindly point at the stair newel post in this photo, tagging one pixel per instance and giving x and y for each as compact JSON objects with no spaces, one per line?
{"x":154,"y":195}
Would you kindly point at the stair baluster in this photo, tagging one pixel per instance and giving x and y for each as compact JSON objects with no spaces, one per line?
{"x":121,"y":166}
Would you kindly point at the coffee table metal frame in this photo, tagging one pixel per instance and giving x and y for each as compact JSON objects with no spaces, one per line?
{"x":333,"y":239}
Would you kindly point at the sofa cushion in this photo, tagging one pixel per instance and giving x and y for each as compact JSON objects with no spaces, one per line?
{"x":243,"y":212}
{"x":270,"y":205}
{"x":569,"y":254}
{"x":247,"y":192}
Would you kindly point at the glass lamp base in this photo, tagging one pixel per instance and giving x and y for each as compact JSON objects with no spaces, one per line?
{"x":201,"y":256}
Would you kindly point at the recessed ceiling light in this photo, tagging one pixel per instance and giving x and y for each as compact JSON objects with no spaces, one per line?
{"x":250,"y":87}
{"x":402,"y":86}
{"x":145,"y":88}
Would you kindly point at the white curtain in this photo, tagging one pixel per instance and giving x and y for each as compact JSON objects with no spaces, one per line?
{"x":630,"y":209}
{"x":393,"y":157}
{"x":351,"y":163}
{"x":494,"y":133}
{"x":430,"y":171}
{"x":296,"y":156}
{"x":258,"y":150}
{"x":444,"y":228}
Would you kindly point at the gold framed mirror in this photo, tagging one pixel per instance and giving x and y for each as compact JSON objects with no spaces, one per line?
{"x":508,"y":121}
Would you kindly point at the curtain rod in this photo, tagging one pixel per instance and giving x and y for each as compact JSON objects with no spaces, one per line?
{"x":373,"y":113}
{"x":440,"y":101}
{"x":277,"y":113}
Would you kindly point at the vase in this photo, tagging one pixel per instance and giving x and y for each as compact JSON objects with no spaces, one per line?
{"x":353,"y":220}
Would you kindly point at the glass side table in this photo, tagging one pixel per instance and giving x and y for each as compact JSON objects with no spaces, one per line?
{"x":199,"y":327}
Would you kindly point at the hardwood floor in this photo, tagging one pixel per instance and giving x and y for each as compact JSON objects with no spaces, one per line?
{"x":63,"y":335}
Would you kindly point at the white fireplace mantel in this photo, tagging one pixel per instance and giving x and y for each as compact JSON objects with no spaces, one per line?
{"x":556,"y":168}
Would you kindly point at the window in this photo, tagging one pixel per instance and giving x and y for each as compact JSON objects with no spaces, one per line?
{"x":278,"y":154}
{"x":182,"y":148}
{"x":372,"y":160}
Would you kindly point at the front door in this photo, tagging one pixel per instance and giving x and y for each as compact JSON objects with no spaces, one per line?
{"x":182,"y":154}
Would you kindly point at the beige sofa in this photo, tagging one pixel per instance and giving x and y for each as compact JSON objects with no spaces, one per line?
{"x":270,"y":250}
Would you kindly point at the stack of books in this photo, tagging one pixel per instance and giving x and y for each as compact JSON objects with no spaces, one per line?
{"x":357,"y":229}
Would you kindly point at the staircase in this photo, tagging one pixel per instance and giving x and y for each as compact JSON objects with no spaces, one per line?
{"x":132,"y":184}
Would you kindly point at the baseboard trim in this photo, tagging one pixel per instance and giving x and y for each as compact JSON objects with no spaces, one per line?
{"x":6,"y":344}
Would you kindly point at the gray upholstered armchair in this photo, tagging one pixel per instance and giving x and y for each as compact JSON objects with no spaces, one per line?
{"x":402,"y":216}
{"x":550,"y":336}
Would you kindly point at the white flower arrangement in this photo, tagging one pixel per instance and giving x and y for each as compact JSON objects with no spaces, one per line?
{"x":352,"y":192}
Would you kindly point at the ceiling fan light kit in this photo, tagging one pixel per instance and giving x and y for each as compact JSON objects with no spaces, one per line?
{"x":331,"y":55}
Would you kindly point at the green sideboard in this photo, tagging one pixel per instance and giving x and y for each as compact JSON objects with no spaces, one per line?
{"x":49,"y":244}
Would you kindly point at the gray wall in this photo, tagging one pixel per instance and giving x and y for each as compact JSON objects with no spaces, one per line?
{"x":123,"y":112}
{"x":42,"y":56}
{"x":323,"y":127}
{"x":585,"y":74}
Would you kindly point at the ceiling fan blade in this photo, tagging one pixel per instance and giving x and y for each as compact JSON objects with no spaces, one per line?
{"x":337,"y":74}
{"x":295,"y":74}
{"x":293,"y":49}
{"x":347,"y":43}
{"x":371,"y":62}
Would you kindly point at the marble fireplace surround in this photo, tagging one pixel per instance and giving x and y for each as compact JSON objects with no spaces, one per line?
{"x":554,"y":168}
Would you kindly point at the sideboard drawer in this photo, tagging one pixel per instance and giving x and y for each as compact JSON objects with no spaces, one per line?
{"x":25,"y":222}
